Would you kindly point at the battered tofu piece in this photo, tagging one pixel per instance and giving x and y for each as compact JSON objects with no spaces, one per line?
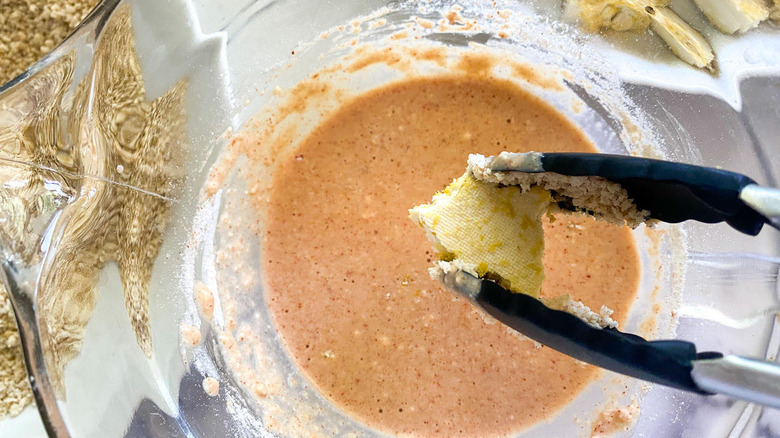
{"x":495,"y":231}
{"x":489,"y":228}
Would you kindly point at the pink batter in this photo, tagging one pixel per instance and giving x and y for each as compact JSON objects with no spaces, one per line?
{"x":346,"y":270}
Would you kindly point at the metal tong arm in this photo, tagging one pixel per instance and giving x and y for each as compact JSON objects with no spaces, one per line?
{"x":738,"y":377}
{"x":764,"y":200}
{"x":668,"y":362}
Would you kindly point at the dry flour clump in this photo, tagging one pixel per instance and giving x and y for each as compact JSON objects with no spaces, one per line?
{"x":211,"y":386}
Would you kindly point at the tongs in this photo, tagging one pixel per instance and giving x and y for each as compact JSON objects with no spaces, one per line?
{"x":670,"y":192}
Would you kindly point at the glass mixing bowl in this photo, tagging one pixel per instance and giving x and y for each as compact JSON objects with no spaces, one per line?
{"x":70,"y":130}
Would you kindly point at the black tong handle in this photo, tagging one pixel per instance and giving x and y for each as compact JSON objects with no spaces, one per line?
{"x":664,"y":362}
{"x":671,"y":192}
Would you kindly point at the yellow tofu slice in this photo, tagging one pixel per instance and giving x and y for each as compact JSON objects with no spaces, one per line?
{"x":489,"y":228}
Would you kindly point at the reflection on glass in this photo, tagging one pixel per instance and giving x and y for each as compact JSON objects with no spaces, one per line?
{"x":110,"y":162}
